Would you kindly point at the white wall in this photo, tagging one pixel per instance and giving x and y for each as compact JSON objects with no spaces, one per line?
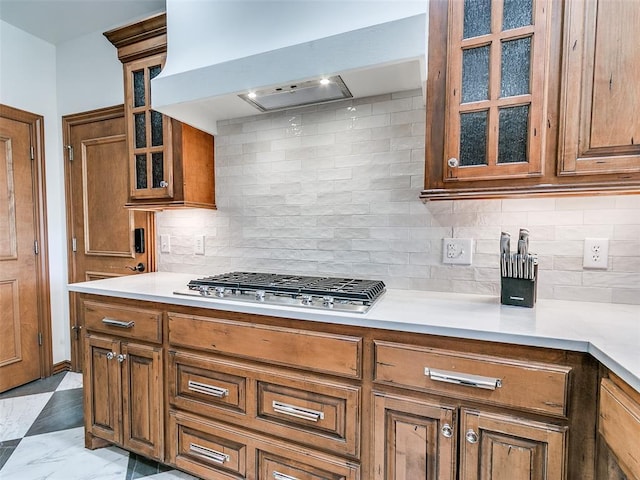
{"x":51,"y":81}
{"x":333,"y":190}
{"x":28,"y":82}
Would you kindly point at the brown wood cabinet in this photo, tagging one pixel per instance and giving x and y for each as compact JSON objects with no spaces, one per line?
{"x":171,"y":164}
{"x":255,"y":397}
{"x":123,"y":387}
{"x":532,"y":98}
{"x":419,"y":439}
{"x":619,"y":431}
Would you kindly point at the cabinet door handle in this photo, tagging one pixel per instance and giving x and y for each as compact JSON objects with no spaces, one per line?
{"x":111,"y":355}
{"x":298,"y":412}
{"x":164,"y":184}
{"x":122,"y":357}
{"x":281,"y":476}
{"x":213,"y":455}
{"x":465,"y":379}
{"x":447,"y":430}
{"x":471,"y":436}
{"x":117,"y":323}
{"x":207,"y":389}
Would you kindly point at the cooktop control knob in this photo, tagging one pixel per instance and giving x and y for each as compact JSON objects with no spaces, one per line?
{"x":260,"y":295}
{"x":204,"y":290}
{"x":220,"y":292}
{"x":327,"y":302}
{"x":307,"y":300}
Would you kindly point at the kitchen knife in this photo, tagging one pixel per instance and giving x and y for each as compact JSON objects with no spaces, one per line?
{"x":505,"y":250}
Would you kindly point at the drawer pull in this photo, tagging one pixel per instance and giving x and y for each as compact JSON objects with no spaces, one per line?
{"x":281,"y":476}
{"x":298,"y":412}
{"x":117,"y":323}
{"x":207,"y":389}
{"x":214,"y":456}
{"x":465,"y":379}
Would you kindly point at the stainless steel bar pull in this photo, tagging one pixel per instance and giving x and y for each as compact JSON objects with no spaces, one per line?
{"x":207,"y":389}
{"x":213,"y":455}
{"x":282,"y":476}
{"x":465,"y":379}
{"x":117,"y":323}
{"x":298,"y":412}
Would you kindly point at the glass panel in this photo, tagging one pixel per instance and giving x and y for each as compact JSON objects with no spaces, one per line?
{"x":141,"y":171}
{"x":141,"y":130}
{"x":516,"y":60}
{"x":513,"y":134}
{"x":138,"y":88}
{"x":157,"y":169}
{"x":477,"y":18}
{"x":156,"y":129}
{"x":475,"y":74}
{"x":473,"y":138}
{"x":154,"y":71}
{"x":517,"y":13}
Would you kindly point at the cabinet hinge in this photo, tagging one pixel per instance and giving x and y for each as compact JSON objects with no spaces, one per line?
{"x":70,"y":150}
{"x":39,"y":338}
{"x":36,"y":249}
{"x":74,"y":244}
{"x":31,"y":152}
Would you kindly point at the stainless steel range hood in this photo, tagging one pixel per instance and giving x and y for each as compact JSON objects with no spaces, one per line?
{"x":382,"y":58}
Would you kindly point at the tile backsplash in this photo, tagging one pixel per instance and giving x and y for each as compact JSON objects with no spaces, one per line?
{"x":333,"y":190}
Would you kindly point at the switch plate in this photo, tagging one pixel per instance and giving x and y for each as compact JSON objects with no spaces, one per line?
{"x":165,"y":243}
{"x":596,"y":253}
{"x":457,"y":251}
{"x":198,"y":245}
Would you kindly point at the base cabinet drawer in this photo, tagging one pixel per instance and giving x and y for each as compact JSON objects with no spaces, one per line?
{"x":123,"y":321}
{"x":217,"y":451}
{"x":484,"y":378}
{"x":310,"y":409}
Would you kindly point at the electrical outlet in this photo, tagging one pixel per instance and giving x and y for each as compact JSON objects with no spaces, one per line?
{"x":457,"y":251}
{"x":165,"y":243}
{"x":198,"y":243}
{"x":596,"y":253}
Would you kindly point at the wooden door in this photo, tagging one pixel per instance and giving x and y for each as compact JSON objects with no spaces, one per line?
{"x":413,"y":439}
{"x":102,"y":390}
{"x":500,"y":447}
{"x":101,"y":230}
{"x":24,"y":297}
{"x":142,"y":399}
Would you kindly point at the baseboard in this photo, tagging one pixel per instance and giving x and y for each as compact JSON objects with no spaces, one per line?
{"x":63,"y":366}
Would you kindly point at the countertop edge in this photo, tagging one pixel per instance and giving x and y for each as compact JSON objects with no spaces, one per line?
{"x":525,"y":339}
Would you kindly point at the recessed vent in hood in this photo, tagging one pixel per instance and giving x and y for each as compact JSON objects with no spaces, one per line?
{"x":377,"y":59}
{"x":298,"y":94}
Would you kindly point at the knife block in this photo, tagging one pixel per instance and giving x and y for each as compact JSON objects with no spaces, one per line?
{"x":520,"y":292}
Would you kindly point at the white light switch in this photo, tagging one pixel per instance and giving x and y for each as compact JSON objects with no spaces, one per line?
{"x":165,"y":243}
{"x":198,"y":243}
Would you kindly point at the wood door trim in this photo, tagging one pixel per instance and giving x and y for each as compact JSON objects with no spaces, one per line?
{"x":43,"y":286}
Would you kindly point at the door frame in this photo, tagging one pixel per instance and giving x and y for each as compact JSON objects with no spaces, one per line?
{"x":43,"y":288}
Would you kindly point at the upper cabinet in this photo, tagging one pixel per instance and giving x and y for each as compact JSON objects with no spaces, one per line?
{"x":171,"y":164}
{"x":531,"y":97}
{"x":600,"y":102}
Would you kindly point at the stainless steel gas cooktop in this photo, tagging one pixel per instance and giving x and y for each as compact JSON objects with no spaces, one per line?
{"x":340,"y":294}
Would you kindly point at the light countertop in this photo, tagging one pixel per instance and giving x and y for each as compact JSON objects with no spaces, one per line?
{"x":609,"y":332}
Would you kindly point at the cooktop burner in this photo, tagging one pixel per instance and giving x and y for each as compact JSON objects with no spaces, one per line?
{"x":345,"y":294}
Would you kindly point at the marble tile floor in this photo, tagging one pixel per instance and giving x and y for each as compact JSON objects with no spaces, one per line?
{"x":42,"y":437}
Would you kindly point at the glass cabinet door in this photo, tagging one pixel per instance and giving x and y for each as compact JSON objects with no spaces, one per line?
{"x":496,"y":71}
{"x":149,"y":133}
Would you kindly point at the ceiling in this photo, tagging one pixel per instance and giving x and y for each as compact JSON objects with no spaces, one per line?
{"x":57,"y":21}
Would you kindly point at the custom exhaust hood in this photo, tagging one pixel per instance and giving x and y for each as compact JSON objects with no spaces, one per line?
{"x":208,"y":78}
